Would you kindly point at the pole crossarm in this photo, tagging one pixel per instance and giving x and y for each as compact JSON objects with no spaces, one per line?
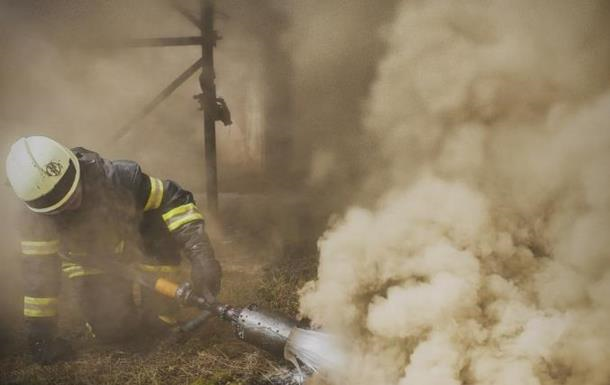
{"x":160,"y":42}
{"x":186,"y":13}
{"x":164,"y":94}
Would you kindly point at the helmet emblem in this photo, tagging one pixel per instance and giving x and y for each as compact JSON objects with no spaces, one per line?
{"x":53,"y":169}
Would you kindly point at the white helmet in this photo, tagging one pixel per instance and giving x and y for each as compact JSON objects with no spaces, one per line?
{"x":42,"y":172}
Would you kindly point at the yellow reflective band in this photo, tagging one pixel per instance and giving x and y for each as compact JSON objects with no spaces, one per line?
{"x":68,"y":264}
{"x":40,"y":306}
{"x":40,"y":247}
{"x":40,"y":300}
{"x":90,"y":332}
{"x":181,"y":215}
{"x":178,"y":211}
{"x":156,"y":194}
{"x":168,"y":319}
{"x":83,"y":273}
{"x":118,"y":249}
{"x":186,"y":219}
{"x":74,"y":270}
{"x":159,"y":268}
{"x":78,"y":253}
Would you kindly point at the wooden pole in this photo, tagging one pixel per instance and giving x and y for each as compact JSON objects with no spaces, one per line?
{"x":208,"y":89}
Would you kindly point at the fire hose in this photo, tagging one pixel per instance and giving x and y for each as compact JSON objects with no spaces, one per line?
{"x":262,"y":328}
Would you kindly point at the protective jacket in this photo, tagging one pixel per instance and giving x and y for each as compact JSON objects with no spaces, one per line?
{"x":122,"y":210}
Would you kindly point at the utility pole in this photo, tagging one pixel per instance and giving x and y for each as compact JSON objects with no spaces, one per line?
{"x":213,"y":108}
{"x":208,"y":102}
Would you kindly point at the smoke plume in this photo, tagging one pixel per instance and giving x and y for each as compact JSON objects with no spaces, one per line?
{"x":486,"y":259}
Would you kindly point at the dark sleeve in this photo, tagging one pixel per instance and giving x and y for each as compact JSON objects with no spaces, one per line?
{"x":41,"y":269}
{"x":180,"y":215}
{"x":173,"y":204}
{"x":185,"y":222}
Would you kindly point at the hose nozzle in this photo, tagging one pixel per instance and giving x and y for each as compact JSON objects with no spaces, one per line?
{"x":265,"y":329}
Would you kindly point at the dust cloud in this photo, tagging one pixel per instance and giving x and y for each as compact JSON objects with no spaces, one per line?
{"x":483,"y":138}
{"x":485,"y":260}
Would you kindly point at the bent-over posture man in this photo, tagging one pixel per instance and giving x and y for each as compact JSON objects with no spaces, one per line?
{"x":84,"y":214}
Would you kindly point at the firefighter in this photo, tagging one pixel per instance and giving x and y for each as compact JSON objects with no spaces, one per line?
{"x":89,"y":217}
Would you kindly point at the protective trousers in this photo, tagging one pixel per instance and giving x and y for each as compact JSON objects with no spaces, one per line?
{"x":109,"y":303}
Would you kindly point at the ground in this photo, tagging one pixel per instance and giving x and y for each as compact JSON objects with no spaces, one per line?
{"x":210,"y":356}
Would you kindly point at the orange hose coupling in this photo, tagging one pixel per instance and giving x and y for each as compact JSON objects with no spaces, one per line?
{"x":165,"y":287}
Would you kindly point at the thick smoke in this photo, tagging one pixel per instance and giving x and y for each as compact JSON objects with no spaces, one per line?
{"x":486,"y":261}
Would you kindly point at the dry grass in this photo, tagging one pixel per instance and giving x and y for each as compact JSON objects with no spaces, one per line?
{"x":180,"y":365}
{"x":212,"y":356}
{"x":281,"y":281}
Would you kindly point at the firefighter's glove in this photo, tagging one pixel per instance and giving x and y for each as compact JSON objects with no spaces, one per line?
{"x":205,"y":276}
{"x":49,"y":351}
{"x":205,"y":269}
